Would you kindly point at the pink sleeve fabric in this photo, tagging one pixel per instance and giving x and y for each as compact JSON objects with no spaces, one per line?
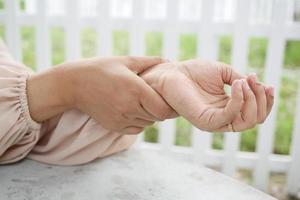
{"x":74,"y":138}
{"x":68,"y":139}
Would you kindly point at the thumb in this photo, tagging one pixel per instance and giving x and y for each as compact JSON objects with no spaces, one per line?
{"x":139,"y":64}
{"x":228,"y":74}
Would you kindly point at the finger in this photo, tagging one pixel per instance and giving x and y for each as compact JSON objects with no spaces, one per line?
{"x":261,"y":99}
{"x":270,"y":98}
{"x":139,"y":64}
{"x":132,"y":130}
{"x":141,"y":123}
{"x":249,"y":110}
{"x":226,"y":115}
{"x":228,"y":74}
{"x":154,"y":104}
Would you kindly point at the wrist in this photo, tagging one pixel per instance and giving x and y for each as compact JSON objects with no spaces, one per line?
{"x":47,"y":94}
{"x":155,"y":76}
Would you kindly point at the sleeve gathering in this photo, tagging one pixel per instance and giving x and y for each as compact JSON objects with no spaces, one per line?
{"x":18,"y":132}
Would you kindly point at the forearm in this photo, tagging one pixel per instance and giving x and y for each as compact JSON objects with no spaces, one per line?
{"x":47,"y":94}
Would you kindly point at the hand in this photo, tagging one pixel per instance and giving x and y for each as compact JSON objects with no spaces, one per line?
{"x":195,"y":90}
{"x":107,"y":89}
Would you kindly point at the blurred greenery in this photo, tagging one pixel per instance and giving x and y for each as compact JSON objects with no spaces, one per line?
{"x":57,"y":37}
{"x":120,"y":42}
{"x":154,"y":42}
{"x":188,"y":49}
{"x":28,"y":46}
{"x":88,"y":42}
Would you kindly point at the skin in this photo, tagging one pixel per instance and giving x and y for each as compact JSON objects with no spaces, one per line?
{"x":126,"y":94}
{"x":195,"y":89}
{"x":107,"y":89}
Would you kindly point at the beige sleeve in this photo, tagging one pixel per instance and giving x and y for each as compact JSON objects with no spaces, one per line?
{"x":75,"y":138}
{"x":69,"y":139}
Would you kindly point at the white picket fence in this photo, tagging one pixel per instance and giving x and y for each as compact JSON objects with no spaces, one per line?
{"x":272,"y":19}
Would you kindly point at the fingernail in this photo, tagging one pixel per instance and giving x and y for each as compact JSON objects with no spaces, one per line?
{"x":254,"y":76}
{"x":238,"y":83}
{"x":246,"y":84}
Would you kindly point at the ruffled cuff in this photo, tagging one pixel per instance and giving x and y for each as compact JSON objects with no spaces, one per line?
{"x":18,"y":131}
{"x":32,"y":125}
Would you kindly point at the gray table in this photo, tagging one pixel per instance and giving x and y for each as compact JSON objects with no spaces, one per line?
{"x":134,"y":174}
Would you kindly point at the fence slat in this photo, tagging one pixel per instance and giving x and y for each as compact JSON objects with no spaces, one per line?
{"x":207,"y":49}
{"x":42,"y":37}
{"x":293,"y":173}
{"x":12,"y":29}
{"x":72,"y":38}
{"x":137,"y":38}
{"x":170,"y":46}
{"x":207,"y":43}
{"x":272,"y":76}
{"x":170,"y":51}
{"x":104,"y":39}
{"x":167,"y":130}
{"x":137,"y":31}
{"x":239,"y":61}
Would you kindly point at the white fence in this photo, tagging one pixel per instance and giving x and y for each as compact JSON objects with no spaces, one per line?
{"x":208,"y":19}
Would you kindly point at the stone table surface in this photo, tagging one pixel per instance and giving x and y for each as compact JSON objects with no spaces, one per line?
{"x":134,"y":174}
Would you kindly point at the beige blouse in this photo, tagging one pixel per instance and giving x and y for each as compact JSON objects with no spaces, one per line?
{"x":68,"y":139}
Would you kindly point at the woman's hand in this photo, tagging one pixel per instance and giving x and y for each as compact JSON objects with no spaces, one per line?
{"x":195,"y":90}
{"x":107,"y":89}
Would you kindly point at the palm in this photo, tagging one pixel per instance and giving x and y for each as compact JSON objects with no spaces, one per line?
{"x":196,"y":91}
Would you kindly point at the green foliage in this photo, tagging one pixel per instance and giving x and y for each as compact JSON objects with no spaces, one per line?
{"x":257,"y":52}
{"x":225,"y":48}
{"x":218,"y":141}
{"x":88,"y":42}
{"x":151,"y":134}
{"x":57,"y":35}
{"x":2,"y":34}
{"x":183,"y":132}
{"x":22,"y":4}
{"x":154,"y":42}
{"x":248,"y":140}
{"x":1,"y":4}
{"x":292,"y":54}
{"x":120,"y":42}
{"x":187,"y":46}
{"x":28,"y":46}
{"x":285,"y":113}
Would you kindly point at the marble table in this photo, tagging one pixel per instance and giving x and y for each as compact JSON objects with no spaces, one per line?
{"x":134,"y":174}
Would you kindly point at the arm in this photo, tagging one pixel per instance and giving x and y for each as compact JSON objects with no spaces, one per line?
{"x":106,"y":89}
{"x":86,"y":85}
